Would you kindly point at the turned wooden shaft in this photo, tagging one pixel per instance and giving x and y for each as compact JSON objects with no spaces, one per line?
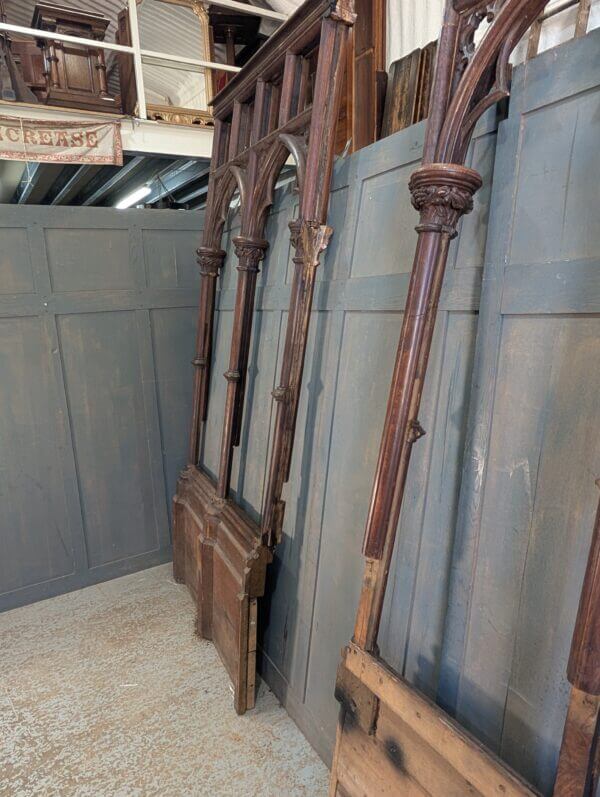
{"x":210,"y":262}
{"x":53,"y":61}
{"x":403,"y":406}
{"x":210,"y":259}
{"x":101,"y":70}
{"x":249,"y":253}
{"x":442,"y":193}
{"x":276,"y":477}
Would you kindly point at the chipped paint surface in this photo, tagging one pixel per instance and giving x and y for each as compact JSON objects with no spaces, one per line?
{"x":107,"y":692}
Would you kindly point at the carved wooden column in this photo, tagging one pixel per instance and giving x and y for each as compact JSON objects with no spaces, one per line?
{"x":310,"y":236}
{"x":308,"y":241}
{"x":468,"y":80}
{"x":442,"y":193}
{"x":249,"y":252}
{"x":210,"y":261}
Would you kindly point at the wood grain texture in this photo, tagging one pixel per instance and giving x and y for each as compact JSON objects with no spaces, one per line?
{"x":415,"y":748}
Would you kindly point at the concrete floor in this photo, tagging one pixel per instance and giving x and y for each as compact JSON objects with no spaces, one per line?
{"x":106,"y":691}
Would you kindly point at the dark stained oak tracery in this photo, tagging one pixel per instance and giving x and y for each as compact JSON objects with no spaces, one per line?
{"x":284,"y":103}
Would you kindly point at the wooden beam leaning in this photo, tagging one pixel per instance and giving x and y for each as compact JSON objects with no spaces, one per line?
{"x":468,"y":80}
{"x":265,"y":114}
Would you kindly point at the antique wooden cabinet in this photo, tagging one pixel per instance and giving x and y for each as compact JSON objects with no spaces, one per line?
{"x":283,"y":104}
{"x":75,"y":75}
{"x":30,"y":61}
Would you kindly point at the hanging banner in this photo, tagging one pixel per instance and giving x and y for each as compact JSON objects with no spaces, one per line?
{"x":60,"y":142}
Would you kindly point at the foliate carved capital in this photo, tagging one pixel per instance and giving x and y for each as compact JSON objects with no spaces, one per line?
{"x":442,"y":193}
{"x":295,"y":227}
{"x":314,"y":239}
{"x":210,"y":260}
{"x":250,"y":251}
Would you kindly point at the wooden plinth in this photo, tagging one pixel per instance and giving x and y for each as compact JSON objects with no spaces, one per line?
{"x":218,"y":553}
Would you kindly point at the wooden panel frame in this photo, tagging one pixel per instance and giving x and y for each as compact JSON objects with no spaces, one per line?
{"x":273,"y":109}
{"x":390,"y":738}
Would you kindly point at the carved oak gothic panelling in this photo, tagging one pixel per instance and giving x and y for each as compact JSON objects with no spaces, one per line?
{"x":284,"y":103}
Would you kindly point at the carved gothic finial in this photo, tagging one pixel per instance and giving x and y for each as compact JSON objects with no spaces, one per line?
{"x":210,"y":260}
{"x":250,"y":251}
{"x":443,"y":193}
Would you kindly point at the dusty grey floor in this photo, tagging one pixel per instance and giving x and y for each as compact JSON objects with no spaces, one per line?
{"x":106,"y":691}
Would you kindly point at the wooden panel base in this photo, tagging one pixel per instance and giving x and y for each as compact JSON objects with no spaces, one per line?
{"x":218,"y":553}
{"x":579,"y":766}
{"x":392,"y":740}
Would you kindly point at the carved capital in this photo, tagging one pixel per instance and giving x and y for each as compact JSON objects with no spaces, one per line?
{"x":314,"y":239}
{"x":442,"y":193}
{"x":343,"y":11}
{"x":210,"y":260}
{"x":250,"y":251}
{"x":295,"y":227}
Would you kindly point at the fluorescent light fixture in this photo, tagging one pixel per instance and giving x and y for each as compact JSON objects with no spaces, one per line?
{"x":134,"y":197}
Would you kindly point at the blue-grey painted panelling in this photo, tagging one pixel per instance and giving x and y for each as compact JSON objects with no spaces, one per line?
{"x":528,"y":495}
{"x":97,"y":319}
{"x":500,"y":497}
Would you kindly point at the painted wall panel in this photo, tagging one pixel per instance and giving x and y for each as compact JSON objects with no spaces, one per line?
{"x":170,"y":257}
{"x":89,"y":259}
{"x":95,"y":391}
{"x":528,"y":495}
{"x":15,"y":261}
{"x":101,"y":361}
{"x":173,"y":336}
{"x":36,"y":537}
